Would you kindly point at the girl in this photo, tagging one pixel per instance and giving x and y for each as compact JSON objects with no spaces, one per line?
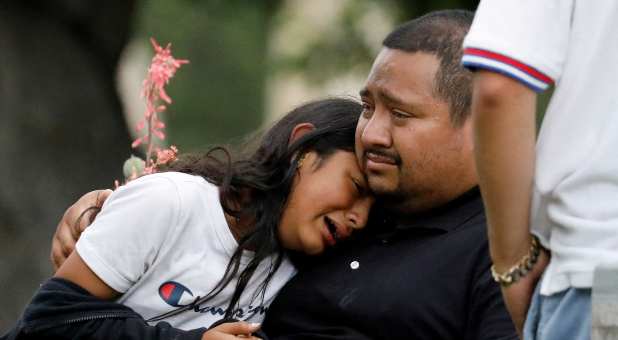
{"x":206,"y":242}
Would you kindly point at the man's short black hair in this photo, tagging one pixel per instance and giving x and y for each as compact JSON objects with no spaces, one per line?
{"x":441,"y":33}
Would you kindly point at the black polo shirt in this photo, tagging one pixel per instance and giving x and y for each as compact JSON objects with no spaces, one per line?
{"x":426,"y":280}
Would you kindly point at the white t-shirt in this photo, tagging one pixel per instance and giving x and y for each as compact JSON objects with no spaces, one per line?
{"x":162,"y":240}
{"x":574,"y":45}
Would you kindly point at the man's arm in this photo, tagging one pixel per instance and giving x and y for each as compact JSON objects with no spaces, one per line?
{"x":503,"y":112}
{"x":75,"y":219}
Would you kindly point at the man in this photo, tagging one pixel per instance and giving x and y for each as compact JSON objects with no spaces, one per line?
{"x":424,"y":272}
{"x":520,"y":48}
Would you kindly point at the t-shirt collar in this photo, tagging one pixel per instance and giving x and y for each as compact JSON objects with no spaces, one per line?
{"x":449,"y":216}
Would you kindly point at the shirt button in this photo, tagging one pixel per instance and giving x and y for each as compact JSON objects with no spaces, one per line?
{"x":354,"y":265}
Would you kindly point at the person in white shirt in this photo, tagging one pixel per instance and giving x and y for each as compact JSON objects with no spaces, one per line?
{"x":209,"y":240}
{"x":565,"y":190}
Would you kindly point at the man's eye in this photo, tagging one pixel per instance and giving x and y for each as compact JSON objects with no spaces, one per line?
{"x":367,"y":110}
{"x":400,"y":114}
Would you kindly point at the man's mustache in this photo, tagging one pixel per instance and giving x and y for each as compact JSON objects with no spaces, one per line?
{"x":393,"y":156}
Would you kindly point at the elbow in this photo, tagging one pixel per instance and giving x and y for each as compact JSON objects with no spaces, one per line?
{"x":491,"y":90}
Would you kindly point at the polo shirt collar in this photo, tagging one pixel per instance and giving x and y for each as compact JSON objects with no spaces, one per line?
{"x":448,"y":216}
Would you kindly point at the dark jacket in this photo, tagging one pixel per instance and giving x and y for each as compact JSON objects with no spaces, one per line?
{"x":63,"y":310}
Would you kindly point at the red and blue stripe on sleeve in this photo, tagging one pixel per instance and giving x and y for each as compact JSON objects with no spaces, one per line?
{"x":475,"y":58}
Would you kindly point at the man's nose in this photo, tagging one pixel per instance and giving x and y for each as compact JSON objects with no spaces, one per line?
{"x":377,"y":132}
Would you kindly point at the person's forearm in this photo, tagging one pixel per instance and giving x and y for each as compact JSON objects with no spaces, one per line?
{"x":504,"y":124}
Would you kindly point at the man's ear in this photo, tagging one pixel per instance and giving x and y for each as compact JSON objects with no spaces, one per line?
{"x":299,"y":131}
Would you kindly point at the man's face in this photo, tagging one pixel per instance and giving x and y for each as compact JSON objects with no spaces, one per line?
{"x":413,"y":156}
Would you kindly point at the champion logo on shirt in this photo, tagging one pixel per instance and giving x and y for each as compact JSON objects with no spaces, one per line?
{"x":175,"y":294}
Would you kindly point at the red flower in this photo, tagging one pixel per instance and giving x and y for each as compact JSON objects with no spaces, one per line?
{"x":161,"y":70}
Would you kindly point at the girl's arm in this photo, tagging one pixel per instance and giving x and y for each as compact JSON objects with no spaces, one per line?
{"x":78,"y":304}
{"x":63,"y":310}
{"x":74,"y":305}
{"x":74,"y":269}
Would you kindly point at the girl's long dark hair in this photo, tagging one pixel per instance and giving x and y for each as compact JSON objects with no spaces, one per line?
{"x":256,"y":184}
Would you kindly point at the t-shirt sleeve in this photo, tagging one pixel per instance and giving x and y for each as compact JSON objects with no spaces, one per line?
{"x":524,"y":39}
{"x":131,"y":228}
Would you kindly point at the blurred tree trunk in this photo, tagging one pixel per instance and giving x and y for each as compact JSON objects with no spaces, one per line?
{"x":62,"y":131}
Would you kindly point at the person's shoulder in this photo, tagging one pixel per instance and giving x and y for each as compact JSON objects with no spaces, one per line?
{"x":181,"y":181}
{"x":475,"y":228}
{"x":469,"y":218}
{"x":471,"y":235}
{"x":179,"y":178}
{"x":191,"y":189}
{"x":164,"y":188}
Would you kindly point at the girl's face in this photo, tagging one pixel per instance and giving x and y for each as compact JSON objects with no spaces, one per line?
{"x":328,"y":201}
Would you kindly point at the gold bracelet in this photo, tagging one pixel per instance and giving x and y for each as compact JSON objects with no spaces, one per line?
{"x":522,"y":267}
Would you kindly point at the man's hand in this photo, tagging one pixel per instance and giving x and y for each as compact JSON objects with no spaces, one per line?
{"x":75,"y":219}
{"x":232,"y":330}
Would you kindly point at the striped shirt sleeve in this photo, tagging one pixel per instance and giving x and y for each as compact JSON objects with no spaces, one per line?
{"x":526,"y":40}
{"x":475,"y":58}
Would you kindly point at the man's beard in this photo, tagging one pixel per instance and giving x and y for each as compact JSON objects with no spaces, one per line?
{"x":400,"y":200}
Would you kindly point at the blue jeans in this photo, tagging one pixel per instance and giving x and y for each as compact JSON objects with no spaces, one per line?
{"x":564,"y":315}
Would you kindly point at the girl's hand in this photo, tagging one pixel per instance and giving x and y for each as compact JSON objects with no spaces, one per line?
{"x":232,"y":330}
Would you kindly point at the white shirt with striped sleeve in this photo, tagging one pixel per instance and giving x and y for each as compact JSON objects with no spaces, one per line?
{"x":574,"y":45}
